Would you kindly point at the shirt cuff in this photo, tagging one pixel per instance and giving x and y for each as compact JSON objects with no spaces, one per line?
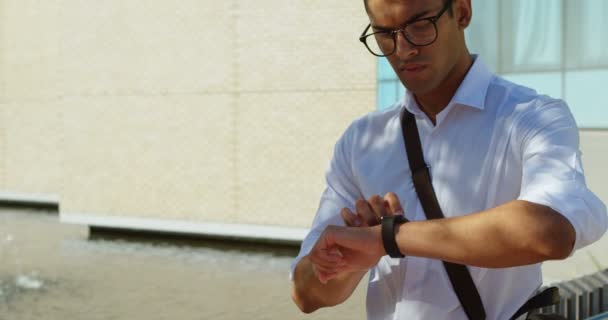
{"x":581,"y":207}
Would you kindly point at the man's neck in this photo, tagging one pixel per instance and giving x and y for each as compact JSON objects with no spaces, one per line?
{"x":433,"y":102}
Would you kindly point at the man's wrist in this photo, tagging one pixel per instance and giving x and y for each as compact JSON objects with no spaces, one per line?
{"x":389,"y":241}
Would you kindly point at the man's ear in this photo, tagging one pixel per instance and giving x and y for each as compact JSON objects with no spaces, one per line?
{"x":463,"y":12}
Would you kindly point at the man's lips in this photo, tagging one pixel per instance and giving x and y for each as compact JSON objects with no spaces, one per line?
{"x":413,"y":67}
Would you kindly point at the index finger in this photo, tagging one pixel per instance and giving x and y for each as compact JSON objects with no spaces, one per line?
{"x":393,"y":203}
{"x":377,"y":204}
{"x":350,"y":219}
{"x":365,"y":212}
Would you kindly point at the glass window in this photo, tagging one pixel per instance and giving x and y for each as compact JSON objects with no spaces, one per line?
{"x":549,"y":83}
{"x":587,"y":34}
{"x":586,"y":95}
{"x":530,"y":36}
{"x":557,"y":47}
{"x":390,"y":89}
{"x":481,"y":33}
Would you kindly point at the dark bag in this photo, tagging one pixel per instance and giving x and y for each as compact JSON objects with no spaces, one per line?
{"x":459,"y":275}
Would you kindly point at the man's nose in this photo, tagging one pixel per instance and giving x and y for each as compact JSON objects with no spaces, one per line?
{"x":404,"y":49}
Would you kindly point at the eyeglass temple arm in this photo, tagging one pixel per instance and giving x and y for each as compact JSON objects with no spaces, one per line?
{"x":364,"y":31}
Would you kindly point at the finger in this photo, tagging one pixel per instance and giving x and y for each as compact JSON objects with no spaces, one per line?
{"x":326,"y":274}
{"x":325,"y":263}
{"x":393,"y":203}
{"x":325,"y":277}
{"x":387,"y":206}
{"x":350,"y":219}
{"x":377,"y":204}
{"x":327,"y":258}
{"x":334,"y":252}
{"x":321,"y":275}
{"x":328,"y":270}
{"x":365,"y":212}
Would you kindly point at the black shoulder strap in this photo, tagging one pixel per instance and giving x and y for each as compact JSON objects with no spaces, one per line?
{"x":459,"y":275}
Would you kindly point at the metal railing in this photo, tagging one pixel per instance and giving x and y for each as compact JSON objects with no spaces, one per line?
{"x":582,"y":297}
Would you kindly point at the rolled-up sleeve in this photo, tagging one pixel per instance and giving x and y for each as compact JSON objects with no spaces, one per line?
{"x":341,"y":191}
{"x":553,"y":173}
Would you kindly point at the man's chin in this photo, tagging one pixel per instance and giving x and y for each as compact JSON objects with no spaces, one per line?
{"x":419,"y":87}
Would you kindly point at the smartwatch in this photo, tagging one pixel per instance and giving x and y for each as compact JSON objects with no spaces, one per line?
{"x":388,"y":234}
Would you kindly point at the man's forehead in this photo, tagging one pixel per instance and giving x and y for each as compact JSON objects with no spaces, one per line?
{"x":396,"y":12}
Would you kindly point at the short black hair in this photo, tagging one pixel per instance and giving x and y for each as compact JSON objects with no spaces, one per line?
{"x":450,"y":12}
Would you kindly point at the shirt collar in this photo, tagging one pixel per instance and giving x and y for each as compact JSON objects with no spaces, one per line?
{"x":471,"y":92}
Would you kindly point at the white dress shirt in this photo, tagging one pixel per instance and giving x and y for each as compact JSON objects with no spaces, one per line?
{"x":496,"y":141}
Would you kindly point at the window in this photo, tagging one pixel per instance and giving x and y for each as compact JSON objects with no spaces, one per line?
{"x":557,"y":47}
{"x":390,"y":89}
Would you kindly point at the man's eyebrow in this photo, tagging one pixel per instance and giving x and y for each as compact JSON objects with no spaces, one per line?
{"x":412,"y":18}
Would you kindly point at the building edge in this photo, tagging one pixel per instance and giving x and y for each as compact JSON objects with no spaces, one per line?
{"x":29,"y":201}
{"x":280,"y":235}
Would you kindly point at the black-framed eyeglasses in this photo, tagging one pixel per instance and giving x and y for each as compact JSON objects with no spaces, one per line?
{"x":420,"y":33}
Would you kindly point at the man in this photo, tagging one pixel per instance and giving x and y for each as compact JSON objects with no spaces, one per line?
{"x":505,"y":165}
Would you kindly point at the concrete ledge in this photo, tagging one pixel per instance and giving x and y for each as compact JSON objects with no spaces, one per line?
{"x":33,"y":201}
{"x":246,"y":232}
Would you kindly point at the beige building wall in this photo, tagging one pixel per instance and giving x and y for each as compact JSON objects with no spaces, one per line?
{"x":209,"y":111}
{"x":594,"y":146}
{"x":214,"y":111}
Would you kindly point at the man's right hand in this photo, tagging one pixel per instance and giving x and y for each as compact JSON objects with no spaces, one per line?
{"x":311,"y":286}
{"x":328,"y":264}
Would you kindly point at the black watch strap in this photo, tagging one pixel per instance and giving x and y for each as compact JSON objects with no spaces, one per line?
{"x":388,"y":234}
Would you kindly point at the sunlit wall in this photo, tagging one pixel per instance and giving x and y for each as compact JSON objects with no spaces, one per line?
{"x":210,"y":111}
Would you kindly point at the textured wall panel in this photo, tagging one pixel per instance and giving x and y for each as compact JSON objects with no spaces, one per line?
{"x":178,"y":110}
{"x":594,"y":146}
{"x":302,"y":45}
{"x":285,"y":144}
{"x":29,"y":49}
{"x":3,"y":142}
{"x":135,"y":46}
{"x":159,"y":156}
{"x":31,"y":153}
